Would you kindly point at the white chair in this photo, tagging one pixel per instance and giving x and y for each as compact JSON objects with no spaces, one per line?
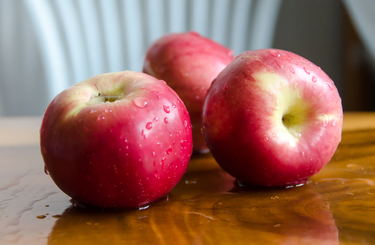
{"x":362,"y":14}
{"x":82,"y":38}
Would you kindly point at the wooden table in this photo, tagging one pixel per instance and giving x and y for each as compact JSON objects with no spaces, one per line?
{"x":337,"y":206}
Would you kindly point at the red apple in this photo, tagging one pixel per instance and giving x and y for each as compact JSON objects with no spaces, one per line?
{"x":188,"y":63}
{"x":117,"y":140}
{"x":272,"y":118}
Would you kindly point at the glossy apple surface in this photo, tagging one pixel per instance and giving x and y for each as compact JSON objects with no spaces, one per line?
{"x":188,"y":63}
{"x":272,"y":118}
{"x":117,"y":140}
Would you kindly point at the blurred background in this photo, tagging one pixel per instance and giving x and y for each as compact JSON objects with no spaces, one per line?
{"x":48,"y":45}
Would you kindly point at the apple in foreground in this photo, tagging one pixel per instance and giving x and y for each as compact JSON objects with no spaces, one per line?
{"x":272,"y":118}
{"x":188,"y":63}
{"x":117,"y":140}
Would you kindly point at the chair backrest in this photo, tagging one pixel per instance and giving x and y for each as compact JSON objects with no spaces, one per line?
{"x":78,"y":39}
{"x":83,"y":38}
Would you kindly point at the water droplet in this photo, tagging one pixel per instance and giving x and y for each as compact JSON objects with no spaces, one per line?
{"x":185,"y":123}
{"x":295,"y":85}
{"x":325,"y":121}
{"x":274,"y":53}
{"x":166,"y":109}
{"x":166,"y":120}
{"x":100,"y":118}
{"x":41,"y":216}
{"x":93,"y":111}
{"x":314,"y":79}
{"x":316,"y":123}
{"x":144,"y":207}
{"x":149,"y":125}
{"x":302,"y":154}
{"x":265,"y":138}
{"x":46,"y":170}
{"x":306,"y":70}
{"x":277,"y":105}
{"x":225,"y":86}
{"x":140,"y":102}
{"x":169,"y":151}
{"x":329,"y":85}
{"x":143,"y":134}
{"x":280,"y":65}
{"x":292,"y":70}
{"x":156,"y":174}
{"x":107,"y":110}
{"x":191,"y":182}
{"x":153,"y":154}
{"x":197,"y":97}
{"x":333,"y":123}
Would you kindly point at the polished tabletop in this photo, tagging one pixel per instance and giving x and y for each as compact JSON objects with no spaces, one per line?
{"x":336,"y":206}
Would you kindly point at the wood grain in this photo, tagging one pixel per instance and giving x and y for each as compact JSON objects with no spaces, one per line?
{"x":336,"y":206}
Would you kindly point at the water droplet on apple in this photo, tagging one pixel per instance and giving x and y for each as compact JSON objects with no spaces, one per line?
{"x":333,"y":123}
{"x":185,"y":123}
{"x":292,"y":69}
{"x":166,"y":120}
{"x":302,"y":154}
{"x":280,"y":65}
{"x":316,"y":123}
{"x":225,"y":86}
{"x":265,"y":138}
{"x":306,"y":70}
{"x":153,"y":154}
{"x":93,"y":111}
{"x":162,"y":162}
{"x":46,"y":170}
{"x":274,"y":53}
{"x":325,"y":121}
{"x":143,"y":133}
{"x":295,"y":85}
{"x":149,"y":125}
{"x":100,"y":118}
{"x":277,"y":105}
{"x":140,"y":102}
{"x":107,"y":110}
{"x":329,"y":85}
{"x":169,"y":151}
{"x":166,"y":109}
{"x":156,"y":174}
{"x":314,"y":79}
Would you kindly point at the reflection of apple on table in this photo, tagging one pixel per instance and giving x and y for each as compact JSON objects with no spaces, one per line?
{"x":207,"y":209}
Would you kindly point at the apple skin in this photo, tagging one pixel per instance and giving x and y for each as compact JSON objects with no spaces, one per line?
{"x":272,"y":118}
{"x":124,"y":153}
{"x":188,"y":63}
